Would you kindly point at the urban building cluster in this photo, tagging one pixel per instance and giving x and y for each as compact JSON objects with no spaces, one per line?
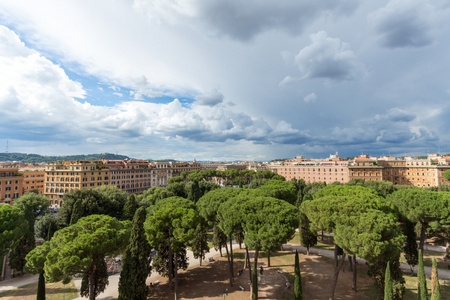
{"x":421,"y":172}
{"x":135,"y":176}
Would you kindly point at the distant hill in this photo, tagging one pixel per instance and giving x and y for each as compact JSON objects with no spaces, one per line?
{"x":36,"y":158}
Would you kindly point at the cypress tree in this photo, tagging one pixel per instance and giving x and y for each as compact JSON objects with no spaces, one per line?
{"x":129,"y":209}
{"x":422,"y":292}
{"x":435,"y":287}
{"x":77,"y":212}
{"x":136,"y":262}
{"x":41,"y":287}
{"x":388,"y":286}
{"x":298,"y":293}
{"x":410,"y":246}
{"x":255,"y":282}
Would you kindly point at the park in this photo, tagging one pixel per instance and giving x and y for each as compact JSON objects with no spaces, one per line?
{"x":359,"y":240}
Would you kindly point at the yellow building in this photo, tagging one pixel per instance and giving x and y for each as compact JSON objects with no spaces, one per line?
{"x":11,"y":184}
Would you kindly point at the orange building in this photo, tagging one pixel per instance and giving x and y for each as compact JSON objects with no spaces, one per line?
{"x":33,"y":181}
{"x":11,"y":184}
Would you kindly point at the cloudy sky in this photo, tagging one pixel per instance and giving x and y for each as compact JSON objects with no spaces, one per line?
{"x":225,"y":79}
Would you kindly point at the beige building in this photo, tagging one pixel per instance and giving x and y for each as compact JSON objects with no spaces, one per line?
{"x":11,"y":184}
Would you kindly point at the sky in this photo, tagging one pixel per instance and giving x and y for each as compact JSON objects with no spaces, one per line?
{"x":225,"y":79}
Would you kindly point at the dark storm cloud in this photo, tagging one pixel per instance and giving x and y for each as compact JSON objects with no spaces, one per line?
{"x":404,"y":24}
{"x":210,"y":99}
{"x":399,"y":115}
{"x":242,"y":20}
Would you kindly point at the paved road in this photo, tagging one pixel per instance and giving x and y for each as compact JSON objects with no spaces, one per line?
{"x":443,"y":274}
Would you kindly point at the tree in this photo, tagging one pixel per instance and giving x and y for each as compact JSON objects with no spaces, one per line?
{"x":308,"y":237}
{"x":136,"y":262}
{"x":283,"y":190}
{"x":81,"y":248}
{"x":32,"y":205}
{"x":105,"y":200}
{"x":388,"y":288}
{"x":255,"y":281}
{"x":193,"y":191}
{"x":383,"y":188}
{"x":419,"y":206}
{"x":410,"y":246}
{"x":77,"y":212}
{"x":422,"y":291}
{"x":446,"y":175}
{"x":298,"y":293}
{"x":12,"y":227}
{"x":45,"y":226}
{"x":130,"y":207}
{"x":199,"y":245}
{"x":171,"y":224}
{"x":435,"y":287}
{"x":35,"y":261}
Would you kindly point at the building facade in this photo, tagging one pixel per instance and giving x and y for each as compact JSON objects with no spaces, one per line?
{"x":11,"y":184}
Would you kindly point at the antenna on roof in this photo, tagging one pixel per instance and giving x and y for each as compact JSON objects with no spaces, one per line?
{"x":7,"y":150}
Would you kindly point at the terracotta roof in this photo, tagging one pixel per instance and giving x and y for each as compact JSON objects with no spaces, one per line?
{"x":363,"y":158}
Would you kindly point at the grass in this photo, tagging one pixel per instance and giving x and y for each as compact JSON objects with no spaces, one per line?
{"x":428,"y":256}
{"x":53,"y":291}
{"x":411,"y":287}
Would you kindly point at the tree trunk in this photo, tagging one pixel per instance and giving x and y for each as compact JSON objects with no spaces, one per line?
{"x":350,"y":263}
{"x":268,"y":259}
{"x":245,"y":258}
{"x":91,"y":285}
{"x":249,"y":265}
{"x":176,"y":276}
{"x":335,"y":277}
{"x":335,"y":256}
{"x":200,"y":260}
{"x":231,"y":255}
{"x":322,"y":235}
{"x":229,"y":264}
{"x":220,"y":251}
{"x":423,"y":230}
{"x":170,"y":263}
{"x":307,"y":250}
{"x":354,"y":274}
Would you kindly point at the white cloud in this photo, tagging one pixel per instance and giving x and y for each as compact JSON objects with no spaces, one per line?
{"x":212,"y":98}
{"x":328,"y":58}
{"x":312,"y":97}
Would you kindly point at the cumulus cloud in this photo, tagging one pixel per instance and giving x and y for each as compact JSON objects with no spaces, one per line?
{"x":406,"y":23}
{"x":312,"y":97}
{"x":328,"y":58}
{"x":212,"y":98}
{"x":243,"y":20}
{"x":38,"y":94}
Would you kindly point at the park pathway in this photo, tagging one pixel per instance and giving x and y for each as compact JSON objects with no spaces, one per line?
{"x":443,"y":274}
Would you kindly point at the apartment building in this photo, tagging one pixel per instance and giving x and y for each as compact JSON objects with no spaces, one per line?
{"x":132,"y":176}
{"x":311,"y":171}
{"x":11,"y":184}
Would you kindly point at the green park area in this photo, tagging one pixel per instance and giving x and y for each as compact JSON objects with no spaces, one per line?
{"x":372,"y":233}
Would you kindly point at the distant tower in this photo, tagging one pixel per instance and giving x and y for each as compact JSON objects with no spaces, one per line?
{"x":7,"y":150}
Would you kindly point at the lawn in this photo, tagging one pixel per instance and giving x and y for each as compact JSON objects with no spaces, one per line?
{"x":54,"y":291}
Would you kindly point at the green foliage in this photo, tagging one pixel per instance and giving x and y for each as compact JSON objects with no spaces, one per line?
{"x":255,"y":282}
{"x":388,"y":288}
{"x":81,"y":248}
{"x":175,"y":179}
{"x":308,"y":237}
{"x":44,"y":225}
{"x":171,"y":225}
{"x":208,"y":205}
{"x":136,"y":262}
{"x":193,"y":191}
{"x":177,"y":189}
{"x":77,"y":212}
{"x":12,"y":226}
{"x":153,"y":195}
{"x":130,"y":208}
{"x":283,"y":190}
{"x":383,"y":188}
{"x":435,"y":287}
{"x":446,"y":175}
{"x":410,"y":246}
{"x":199,"y":245}
{"x":269,"y":222}
{"x":106,"y":200}
{"x":313,"y":187}
{"x":36,"y":259}
{"x":298,"y":293}
{"x":377,"y":271}
{"x":359,"y":182}
{"x":160,"y":263}
{"x":422,"y":291}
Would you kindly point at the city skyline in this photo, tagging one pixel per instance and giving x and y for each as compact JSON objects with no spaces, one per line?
{"x":225,"y":80}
